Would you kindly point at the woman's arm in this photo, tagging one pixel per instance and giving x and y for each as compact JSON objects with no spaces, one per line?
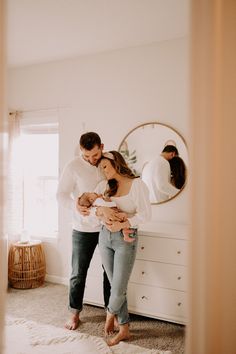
{"x":108,"y":214}
{"x":140,"y":196}
{"x":115,"y":226}
{"x":66,"y":187}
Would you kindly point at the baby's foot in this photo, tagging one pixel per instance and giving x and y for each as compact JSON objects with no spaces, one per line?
{"x":129,"y":239}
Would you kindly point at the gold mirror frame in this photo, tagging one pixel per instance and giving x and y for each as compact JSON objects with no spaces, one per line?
{"x":129,"y":152}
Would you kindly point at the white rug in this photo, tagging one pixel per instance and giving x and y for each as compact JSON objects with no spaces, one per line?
{"x":28,"y":337}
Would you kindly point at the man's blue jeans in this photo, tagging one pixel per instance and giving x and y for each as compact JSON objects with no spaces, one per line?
{"x":83,"y":246}
{"x":118,"y":259}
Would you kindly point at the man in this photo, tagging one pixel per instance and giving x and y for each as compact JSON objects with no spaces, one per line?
{"x":156,"y":174}
{"x":81,"y":175}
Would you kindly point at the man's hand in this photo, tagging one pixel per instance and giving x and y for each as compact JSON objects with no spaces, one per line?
{"x":82,"y":210}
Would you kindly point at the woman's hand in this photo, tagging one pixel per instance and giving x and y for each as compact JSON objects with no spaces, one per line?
{"x":107,"y":214}
{"x":122,"y":215}
{"x":113,"y":226}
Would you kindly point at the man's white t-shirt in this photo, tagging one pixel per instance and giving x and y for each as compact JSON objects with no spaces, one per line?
{"x":78,"y":177}
{"x":156,"y":175}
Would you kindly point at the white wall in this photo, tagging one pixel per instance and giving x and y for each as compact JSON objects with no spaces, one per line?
{"x":110,"y":93}
{"x":3,"y":176}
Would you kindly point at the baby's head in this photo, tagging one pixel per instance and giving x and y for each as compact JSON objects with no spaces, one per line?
{"x":87,"y":199}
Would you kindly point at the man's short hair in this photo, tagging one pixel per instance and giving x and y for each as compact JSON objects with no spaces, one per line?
{"x":89,"y":140}
{"x":170,"y":148}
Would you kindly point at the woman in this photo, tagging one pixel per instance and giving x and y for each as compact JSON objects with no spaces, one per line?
{"x":132,"y":197}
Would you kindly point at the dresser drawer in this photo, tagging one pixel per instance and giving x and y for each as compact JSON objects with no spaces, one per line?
{"x":93,"y":293}
{"x":160,"y":274}
{"x":162,"y":249}
{"x":95,"y":268}
{"x":157,"y":302}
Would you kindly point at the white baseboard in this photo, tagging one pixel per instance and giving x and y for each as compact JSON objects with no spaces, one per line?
{"x":57,"y":280}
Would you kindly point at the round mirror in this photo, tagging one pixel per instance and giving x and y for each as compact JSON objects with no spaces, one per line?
{"x":158,"y":154}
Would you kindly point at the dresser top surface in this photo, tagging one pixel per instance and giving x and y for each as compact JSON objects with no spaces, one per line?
{"x":169,"y":230}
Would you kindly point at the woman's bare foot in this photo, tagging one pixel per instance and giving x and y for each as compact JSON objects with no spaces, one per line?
{"x":123,"y":334}
{"x":116,"y":324}
{"x":73,"y":323}
{"x":109,"y":324}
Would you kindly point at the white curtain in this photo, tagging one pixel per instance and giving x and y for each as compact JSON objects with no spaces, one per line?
{"x":15,"y":180}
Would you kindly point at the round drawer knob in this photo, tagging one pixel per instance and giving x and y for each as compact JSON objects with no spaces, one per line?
{"x":144,"y":297}
{"x":179,"y":303}
{"x":142,"y":247}
{"x":143,"y":272}
{"x":179,"y":278}
{"x":179,"y":252}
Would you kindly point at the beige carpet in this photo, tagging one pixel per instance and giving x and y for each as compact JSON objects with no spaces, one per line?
{"x":48,"y":305}
{"x":28,"y":337}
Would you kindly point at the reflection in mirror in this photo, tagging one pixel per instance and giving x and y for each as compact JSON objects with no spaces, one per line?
{"x":158,"y":154}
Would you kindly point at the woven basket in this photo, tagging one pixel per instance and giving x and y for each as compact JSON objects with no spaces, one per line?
{"x":26,"y":266}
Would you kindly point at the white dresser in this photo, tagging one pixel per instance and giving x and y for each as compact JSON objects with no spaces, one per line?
{"x":158,"y":283}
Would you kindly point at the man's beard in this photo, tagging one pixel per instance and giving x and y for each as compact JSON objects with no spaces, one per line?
{"x":93,"y":164}
{"x":98,"y":161}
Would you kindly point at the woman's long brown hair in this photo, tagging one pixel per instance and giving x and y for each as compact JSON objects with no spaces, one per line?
{"x":120,"y":166}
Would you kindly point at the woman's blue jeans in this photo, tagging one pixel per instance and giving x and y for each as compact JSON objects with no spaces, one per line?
{"x":118,"y":259}
{"x":83,"y":246}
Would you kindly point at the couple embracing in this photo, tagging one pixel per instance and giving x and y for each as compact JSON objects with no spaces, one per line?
{"x":108,"y":175}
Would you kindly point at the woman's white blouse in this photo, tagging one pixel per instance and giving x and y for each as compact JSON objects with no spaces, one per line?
{"x":136,"y":203}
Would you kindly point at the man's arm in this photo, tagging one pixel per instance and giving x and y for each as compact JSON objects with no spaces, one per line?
{"x":82,"y":209}
{"x":65,"y":188}
{"x":162,"y":179}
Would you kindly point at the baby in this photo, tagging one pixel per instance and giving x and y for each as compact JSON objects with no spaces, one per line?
{"x":88,"y":200}
{"x":95,"y":200}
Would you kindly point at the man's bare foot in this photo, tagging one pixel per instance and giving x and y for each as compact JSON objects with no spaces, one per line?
{"x":73,"y":323}
{"x":109,"y":324}
{"x":123,"y":334}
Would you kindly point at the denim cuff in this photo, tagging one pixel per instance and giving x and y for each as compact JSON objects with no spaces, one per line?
{"x":74,"y":311}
